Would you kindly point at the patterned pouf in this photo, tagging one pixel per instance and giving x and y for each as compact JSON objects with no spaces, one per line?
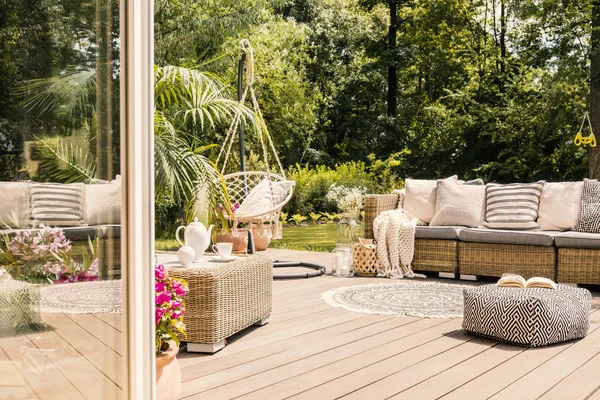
{"x":527,"y":317}
{"x":19,"y":307}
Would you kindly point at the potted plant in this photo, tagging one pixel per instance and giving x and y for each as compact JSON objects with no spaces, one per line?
{"x":169,"y":310}
{"x":44,"y":255}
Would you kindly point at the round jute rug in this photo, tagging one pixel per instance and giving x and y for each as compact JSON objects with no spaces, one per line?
{"x":423,"y":300}
{"x":82,"y":298}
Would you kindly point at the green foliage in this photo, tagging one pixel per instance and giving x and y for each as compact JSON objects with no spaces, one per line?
{"x":315,"y":217}
{"x":298,"y":219}
{"x":283,"y":216}
{"x":313,"y":183}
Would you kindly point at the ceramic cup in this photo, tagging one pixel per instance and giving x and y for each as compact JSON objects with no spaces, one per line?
{"x":223,"y":249}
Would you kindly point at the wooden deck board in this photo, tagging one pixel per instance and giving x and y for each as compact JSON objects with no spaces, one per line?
{"x":310,"y":350}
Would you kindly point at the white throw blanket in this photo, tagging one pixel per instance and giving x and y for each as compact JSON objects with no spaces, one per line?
{"x":395,"y":236}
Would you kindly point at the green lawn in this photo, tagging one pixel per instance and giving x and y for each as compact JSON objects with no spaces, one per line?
{"x":307,"y":237}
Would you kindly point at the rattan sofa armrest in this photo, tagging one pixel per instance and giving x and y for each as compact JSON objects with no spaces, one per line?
{"x":375,"y":204}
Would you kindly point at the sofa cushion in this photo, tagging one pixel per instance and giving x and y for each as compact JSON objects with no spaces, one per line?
{"x":530,"y":238}
{"x":589,"y":213}
{"x":56,"y":204}
{"x":559,"y":205}
{"x":578,"y":240}
{"x":437,"y":232}
{"x":419,"y":200}
{"x":459,"y":205}
{"x":14,"y":200}
{"x":102,"y":203}
{"x":512,"y":206}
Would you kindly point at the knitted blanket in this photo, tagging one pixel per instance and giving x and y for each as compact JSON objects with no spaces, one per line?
{"x":395,"y":236}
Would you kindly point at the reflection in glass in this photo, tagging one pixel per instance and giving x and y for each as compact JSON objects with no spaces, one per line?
{"x":61,"y":328}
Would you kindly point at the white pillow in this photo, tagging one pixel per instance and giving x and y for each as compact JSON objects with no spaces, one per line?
{"x":419,"y":200}
{"x":102,"y":203}
{"x":559,"y":205}
{"x":14,"y":199}
{"x":459,"y":205}
{"x":260,"y":200}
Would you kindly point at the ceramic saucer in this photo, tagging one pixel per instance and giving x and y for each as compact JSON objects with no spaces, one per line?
{"x":224,"y":259}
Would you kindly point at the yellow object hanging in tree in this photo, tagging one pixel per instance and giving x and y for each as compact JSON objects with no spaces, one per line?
{"x":580,"y":140}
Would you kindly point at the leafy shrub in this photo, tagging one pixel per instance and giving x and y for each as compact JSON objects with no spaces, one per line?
{"x":315,"y":217}
{"x":298,"y":219}
{"x":313,"y":183}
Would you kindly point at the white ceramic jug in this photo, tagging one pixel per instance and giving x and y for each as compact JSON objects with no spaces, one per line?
{"x":186,"y":256}
{"x":196,"y":236}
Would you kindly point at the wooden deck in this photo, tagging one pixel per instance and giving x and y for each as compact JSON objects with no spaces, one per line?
{"x":310,"y":350}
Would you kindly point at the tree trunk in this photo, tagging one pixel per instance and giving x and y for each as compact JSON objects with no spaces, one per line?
{"x":392,"y":79}
{"x":104,"y":89}
{"x":594,"y":99}
{"x":502,"y":38}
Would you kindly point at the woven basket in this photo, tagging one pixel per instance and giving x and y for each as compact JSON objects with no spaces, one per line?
{"x":364,"y":257}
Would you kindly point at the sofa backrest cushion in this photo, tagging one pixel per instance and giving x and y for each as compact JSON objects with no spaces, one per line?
{"x":56,"y":204}
{"x":513,"y":206}
{"x":102,"y":203}
{"x":559,"y":205}
{"x":459,"y":205}
{"x":589,"y":213}
{"x":420,"y":197}
{"x":14,"y":200}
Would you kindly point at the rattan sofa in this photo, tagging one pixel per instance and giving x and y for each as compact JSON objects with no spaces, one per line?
{"x":567,"y":257}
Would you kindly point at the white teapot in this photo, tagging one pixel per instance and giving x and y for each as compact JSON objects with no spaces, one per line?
{"x":196,"y":236}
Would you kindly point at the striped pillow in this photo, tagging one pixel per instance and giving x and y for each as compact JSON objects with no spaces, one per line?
{"x":56,"y":204}
{"x":512,"y":206}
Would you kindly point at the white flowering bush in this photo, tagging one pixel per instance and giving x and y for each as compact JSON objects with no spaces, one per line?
{"x":348,"y":200}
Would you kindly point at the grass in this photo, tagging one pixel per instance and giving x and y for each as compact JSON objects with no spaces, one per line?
{"x":320,"y":237}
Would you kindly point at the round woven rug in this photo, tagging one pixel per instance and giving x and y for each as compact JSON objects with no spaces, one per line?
{"x":423,"y":300}
{"x":82,"y":298}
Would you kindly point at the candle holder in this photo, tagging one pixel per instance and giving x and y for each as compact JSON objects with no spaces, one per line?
{"x":342,"y":262}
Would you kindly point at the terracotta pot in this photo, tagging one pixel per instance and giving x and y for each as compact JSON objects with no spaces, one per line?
{"x":168,"y":374}
{"x":262,"y":236}
{"x":238,"y":237}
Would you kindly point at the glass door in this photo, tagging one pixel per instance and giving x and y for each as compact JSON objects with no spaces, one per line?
{"x":68,"y":234}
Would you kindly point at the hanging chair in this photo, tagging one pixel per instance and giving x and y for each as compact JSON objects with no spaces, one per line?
{"x":260,"y":195}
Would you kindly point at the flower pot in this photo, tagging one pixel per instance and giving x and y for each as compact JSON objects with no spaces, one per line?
{"x":168,"y":374}
{"x":262,"y":236}
{"x":239,"y":238}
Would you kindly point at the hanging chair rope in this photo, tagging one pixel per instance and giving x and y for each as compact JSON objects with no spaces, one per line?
{"x":265,"y":138}
{"x":239,"y":183}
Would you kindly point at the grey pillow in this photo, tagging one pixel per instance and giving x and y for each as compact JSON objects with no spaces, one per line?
{"x":589,"y":213}
{"x":513,"y":206}
{"x":459,"y":205}
{"x":56,"y":204}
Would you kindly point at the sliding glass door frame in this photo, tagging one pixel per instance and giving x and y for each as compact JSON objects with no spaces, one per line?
{"x":137,"y":110}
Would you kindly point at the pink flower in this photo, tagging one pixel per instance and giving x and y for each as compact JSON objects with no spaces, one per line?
{"x":176,"y":315}
{"x":159,"y":272}
{"x":176,"y":304}
{"x":93,"y":269}
{"x":159,"y":287}
{"x":158,"y":313}
{"x":163,"y":298}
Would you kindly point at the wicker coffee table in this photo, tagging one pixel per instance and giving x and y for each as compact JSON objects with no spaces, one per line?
{"x":224,"y":298}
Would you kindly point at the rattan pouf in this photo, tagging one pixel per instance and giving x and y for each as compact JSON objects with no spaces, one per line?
{"x":224,"y":299}
{"x":527,"y":317}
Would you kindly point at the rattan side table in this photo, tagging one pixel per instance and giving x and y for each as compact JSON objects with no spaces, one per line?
{"x":224,"y":298}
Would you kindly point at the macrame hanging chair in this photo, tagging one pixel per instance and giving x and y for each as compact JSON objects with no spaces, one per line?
{"x":242,"y":184}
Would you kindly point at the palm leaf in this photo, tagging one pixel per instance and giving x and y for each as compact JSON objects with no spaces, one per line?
{"x":65,"y":163}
